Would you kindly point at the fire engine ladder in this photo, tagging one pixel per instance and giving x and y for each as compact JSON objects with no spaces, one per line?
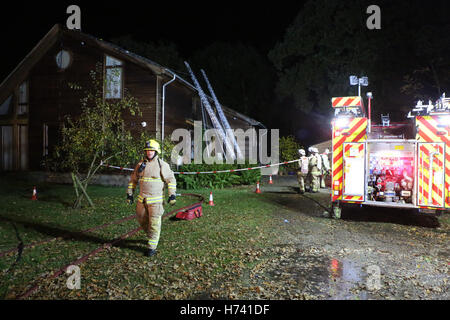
{"x":211,"y":113}
{"x":222,"y":116}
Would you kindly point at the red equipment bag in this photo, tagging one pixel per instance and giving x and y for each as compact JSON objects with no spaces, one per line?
{"x":192,"y":213}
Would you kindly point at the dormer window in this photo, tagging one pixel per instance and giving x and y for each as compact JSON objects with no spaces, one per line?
{"x":113,"y":74}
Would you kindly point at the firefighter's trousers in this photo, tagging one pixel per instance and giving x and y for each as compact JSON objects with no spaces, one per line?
{"x":301,"y":180}
{"x":149,"y":217}
{"x":323,"y":178}
{"x":315,"y":181}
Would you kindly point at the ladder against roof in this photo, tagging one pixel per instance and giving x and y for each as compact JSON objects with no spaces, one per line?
{"x":212,"y":115}
{"x":223,"y":118}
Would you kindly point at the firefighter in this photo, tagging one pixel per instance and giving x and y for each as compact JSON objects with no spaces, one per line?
{"x":151,"y":173}
{"x":302,"y":173}
{"x":315,"y":168}
{"x":325,"y":168}
{"x":308,"y":179}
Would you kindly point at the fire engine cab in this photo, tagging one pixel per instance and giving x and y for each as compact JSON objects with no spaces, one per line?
{"x":401,"y":165}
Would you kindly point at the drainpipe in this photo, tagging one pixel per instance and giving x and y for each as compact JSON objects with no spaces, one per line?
{"x":163,"y":105}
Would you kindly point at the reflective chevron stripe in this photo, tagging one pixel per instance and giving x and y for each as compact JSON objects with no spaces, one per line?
{"x":434,"y":129}
{"x":355,"y":133}
{"x":346,"y":102}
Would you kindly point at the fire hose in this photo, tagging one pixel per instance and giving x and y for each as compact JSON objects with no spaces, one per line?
{"x":34,"y":244}
{"x":109,"y":244}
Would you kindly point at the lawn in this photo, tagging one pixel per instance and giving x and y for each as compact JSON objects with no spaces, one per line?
{"x":194,"y":257}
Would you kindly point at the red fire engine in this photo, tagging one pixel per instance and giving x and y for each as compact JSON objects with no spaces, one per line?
{"x":401,"y":165}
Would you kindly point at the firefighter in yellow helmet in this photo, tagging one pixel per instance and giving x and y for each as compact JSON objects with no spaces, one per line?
{"x":151,"y":173}
{"x":302,"y":173}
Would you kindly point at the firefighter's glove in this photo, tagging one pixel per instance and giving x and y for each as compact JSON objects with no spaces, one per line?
{"x":172,"y":200}
{"x":130,"y":199}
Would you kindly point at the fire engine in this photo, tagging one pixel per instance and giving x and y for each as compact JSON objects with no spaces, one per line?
{"x":399,"y":165}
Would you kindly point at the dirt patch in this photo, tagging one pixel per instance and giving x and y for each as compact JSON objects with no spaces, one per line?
{"x":372,"y":253}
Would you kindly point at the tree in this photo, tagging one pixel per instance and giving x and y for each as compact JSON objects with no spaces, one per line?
{"x":289,"y":151}
{"x":326,"y":43}
{"x":163,"y":53}
{"x":241,"y":77}
{"x":97,"y":134}
{"x":329,"y":41}
{"x":430,"y":76}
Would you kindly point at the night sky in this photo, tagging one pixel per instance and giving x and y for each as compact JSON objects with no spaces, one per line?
{"x":189,"y":24}
{"x":192,"y":26}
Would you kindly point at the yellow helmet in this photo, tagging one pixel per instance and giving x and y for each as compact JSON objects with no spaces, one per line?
{"x":152,"y":145}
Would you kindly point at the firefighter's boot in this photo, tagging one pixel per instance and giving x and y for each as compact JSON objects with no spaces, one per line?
{"x":337,"y":212}
{"x":150,"y":252}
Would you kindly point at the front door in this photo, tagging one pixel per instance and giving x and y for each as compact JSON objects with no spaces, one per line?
{"x":431,"y":174}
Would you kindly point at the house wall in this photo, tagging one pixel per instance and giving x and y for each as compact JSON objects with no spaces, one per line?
{"x":51,"y":98}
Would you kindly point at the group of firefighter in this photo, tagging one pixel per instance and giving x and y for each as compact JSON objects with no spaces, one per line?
{"x":152,"y":173}
{"x":313,"y":169}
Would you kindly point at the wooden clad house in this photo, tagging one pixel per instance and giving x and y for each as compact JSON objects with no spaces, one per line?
{"x":36,"y":96}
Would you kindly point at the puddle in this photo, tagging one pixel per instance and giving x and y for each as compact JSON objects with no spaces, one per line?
{"x":323,"y":278}
{"x":344,"y":276}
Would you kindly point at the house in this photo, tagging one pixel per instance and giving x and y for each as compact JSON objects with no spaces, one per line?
{"x":36,"y":96}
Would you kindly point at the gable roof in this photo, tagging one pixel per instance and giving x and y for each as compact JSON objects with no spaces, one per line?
{"x":20,"y":73}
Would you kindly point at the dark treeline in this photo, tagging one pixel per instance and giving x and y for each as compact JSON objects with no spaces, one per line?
{"x":284,"y":79}
{"x":290,"y":86}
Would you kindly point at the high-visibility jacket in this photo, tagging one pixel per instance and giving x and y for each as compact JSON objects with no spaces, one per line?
{"x":303,"y":164}
{"x":325,"y":162}
{"x":151,"y":181}
{"x":315,"y":164}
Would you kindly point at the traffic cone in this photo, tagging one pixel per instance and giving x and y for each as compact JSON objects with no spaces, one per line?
{"x":34,"y":196}
{"x":257,"y":188}
{"x":270,"y":180}
{"x":211,"y":201}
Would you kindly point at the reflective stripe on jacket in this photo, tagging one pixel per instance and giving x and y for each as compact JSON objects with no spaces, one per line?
{"x":151,"y":180}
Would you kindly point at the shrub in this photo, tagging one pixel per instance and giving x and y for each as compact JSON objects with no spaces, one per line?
{"x":289,"y":151}
{"x":216,"y":180}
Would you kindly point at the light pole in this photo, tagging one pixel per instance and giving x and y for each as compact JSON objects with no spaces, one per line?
{"x":369,"y":97}
{"x":363,"y":81}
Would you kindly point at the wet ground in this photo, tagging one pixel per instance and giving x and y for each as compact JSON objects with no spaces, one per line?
{"x":371,"y":253}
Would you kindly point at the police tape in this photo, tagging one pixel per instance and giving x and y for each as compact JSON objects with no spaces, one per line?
{"x":208,"y":172}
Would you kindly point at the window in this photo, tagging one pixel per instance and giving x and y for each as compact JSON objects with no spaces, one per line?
{"x":5,"y":107}
{"x":63,"y":59}
{"x":114,"y":70}
{"x":22,"y":107}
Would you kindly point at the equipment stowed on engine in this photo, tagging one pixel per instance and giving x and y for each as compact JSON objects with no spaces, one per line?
{"x":404,"y":164}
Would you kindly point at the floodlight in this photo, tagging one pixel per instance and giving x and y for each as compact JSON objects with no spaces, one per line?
{"x":364,"y":81}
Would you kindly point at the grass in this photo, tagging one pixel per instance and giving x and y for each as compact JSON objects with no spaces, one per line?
{"x":193,"y":256}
